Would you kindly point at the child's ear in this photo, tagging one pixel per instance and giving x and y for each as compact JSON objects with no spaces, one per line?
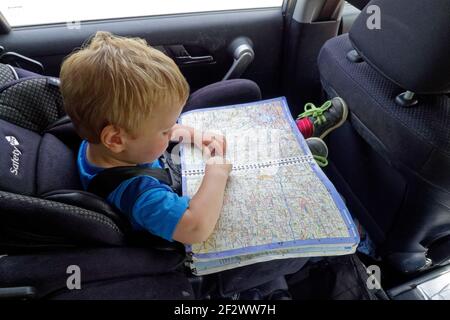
{"x":113,"y":138}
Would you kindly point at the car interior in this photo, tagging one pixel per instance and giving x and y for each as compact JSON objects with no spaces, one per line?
{"x":390,"y":161}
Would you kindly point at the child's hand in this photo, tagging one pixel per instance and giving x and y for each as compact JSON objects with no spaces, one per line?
{"x":213,"y":144}
{"x":219,"y":165}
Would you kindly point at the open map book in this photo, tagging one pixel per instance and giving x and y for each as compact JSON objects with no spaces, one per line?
{"x":278,"y":203}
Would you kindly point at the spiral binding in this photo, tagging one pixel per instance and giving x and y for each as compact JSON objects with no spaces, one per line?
{"x":260,"y":165}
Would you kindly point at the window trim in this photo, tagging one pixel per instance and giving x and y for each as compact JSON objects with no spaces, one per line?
{"x":101,"y":20}
{"x":5,"y":28}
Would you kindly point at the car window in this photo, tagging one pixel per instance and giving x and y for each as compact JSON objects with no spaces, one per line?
{"x":35,"y":12}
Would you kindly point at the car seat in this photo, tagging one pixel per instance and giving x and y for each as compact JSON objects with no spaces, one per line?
{"x":391,"y":161}
{"x":49,"y":224}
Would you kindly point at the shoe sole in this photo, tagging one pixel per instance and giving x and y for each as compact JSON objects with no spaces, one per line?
{"x":322,"y":143}
{"x":340,"y":123}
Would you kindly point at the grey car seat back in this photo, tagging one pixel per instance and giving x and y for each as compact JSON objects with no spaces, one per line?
{"x":396,"y":80}
{"x":50,"y":222}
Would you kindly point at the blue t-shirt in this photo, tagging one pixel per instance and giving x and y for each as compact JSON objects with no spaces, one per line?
{"x":148,"y":203}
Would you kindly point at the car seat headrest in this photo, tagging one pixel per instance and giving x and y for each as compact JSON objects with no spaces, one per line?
{"x":41,"y":193}
{"x":32,"y":164}
{"x":42,"y":202}
{"x":32,"y":103}
{"x":411,"y":47}
{"x":64,"y":130}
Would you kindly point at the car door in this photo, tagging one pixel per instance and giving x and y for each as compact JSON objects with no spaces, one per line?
{"x":199,"y":35}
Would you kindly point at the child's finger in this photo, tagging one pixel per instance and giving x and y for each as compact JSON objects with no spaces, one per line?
{"x":206,"y":152}
{"x":224,"y":145}
{"x":216,"y":148}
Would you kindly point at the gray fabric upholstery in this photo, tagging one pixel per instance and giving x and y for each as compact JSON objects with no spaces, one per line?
{"x":414,"y":144}
{"x":418,"y":137}
{"x":412,"y":46}
{"x":7,"y":74}
{"x":33,"y":103}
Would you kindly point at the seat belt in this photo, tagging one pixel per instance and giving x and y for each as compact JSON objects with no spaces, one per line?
{"x":360,"y":4}
{"x":109,"y":179}
{"x":328,"y":10}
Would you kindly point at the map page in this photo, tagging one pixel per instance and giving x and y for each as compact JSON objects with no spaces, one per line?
{"x":278,"y":203}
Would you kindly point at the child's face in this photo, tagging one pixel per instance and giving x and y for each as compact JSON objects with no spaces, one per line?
{"x":153,"y":139}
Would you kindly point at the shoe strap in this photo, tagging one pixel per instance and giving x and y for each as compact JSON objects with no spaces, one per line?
{"x":321,"y":161}
{"x":316,"y":112}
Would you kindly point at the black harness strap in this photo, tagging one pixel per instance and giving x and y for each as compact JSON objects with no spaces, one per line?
{"x":108,"y":180}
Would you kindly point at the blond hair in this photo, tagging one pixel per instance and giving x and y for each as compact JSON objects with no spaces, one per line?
{"x":118,"y":81}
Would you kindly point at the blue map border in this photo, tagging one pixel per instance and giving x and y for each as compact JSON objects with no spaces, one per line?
{"x":349,"y":242}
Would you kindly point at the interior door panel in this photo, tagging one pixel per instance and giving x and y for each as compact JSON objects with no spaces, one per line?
{"x":201,"y":34}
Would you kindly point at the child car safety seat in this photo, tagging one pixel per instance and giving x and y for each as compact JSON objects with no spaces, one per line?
{"x":50,"y":227}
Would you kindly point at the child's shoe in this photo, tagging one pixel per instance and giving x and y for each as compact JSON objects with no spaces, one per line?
{"x":320,"y":121}
{"x":319,"y":150}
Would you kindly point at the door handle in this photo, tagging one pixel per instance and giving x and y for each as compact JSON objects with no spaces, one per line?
{"x":182,"y":56}
{"x":243,"y":54}
{"x":189,"y":60}
{"x":20,"y":61}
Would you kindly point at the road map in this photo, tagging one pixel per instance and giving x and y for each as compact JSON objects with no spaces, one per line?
{"x":277,"y":200}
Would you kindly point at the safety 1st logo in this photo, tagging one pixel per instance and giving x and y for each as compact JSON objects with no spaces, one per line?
{"x":15,"y":154}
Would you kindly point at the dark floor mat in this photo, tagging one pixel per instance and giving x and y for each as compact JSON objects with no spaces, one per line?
{"x":333,"y":278}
